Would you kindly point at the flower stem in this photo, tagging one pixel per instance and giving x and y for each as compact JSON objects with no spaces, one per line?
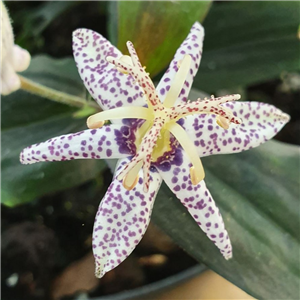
{"x":54,"y":95}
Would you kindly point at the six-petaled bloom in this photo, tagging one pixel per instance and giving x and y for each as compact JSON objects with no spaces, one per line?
{"x":158,"y":135}
{"x":13,"y":58}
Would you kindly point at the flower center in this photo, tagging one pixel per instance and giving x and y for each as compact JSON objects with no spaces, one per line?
{"x":153,"y":137}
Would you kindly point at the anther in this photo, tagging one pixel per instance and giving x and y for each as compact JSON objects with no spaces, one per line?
{"x":196,"y":175}
{"x":130,"y":178}
{"x":94,"y":125}
{"x":223,"y":122}
{"x":129,"y":186}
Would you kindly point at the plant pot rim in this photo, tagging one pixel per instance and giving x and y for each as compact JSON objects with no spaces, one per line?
{"x":155,"y":287}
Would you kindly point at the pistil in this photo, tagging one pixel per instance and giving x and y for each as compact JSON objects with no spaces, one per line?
{"x":161,"y":119}
{"x":206,"y":106}
{"x":143,"y":156}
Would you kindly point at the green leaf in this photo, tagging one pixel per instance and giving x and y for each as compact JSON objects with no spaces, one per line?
{"x":28,"y":119}
{"x":156,"y":28}
{"x":257,"y":192}
{"x":247,"y":42}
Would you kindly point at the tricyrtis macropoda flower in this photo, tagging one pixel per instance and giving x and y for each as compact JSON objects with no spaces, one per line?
{"x":158,"y":135}
{"x":13,"y":58}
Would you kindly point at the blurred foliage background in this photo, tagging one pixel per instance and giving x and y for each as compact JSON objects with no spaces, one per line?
{"x":251,"y":48}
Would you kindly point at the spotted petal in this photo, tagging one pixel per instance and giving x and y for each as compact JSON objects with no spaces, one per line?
{"x":198,"y":201}
{"x":111,"y":141}
{"x":122,"y":220}
{"x":192,"y":45}
{"x":109,"y":87}
{"x":260,"y":123}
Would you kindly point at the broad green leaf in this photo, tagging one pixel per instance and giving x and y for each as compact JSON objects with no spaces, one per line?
{"x":156,"y":28}
{"x":28,"y":119}
{"x":247,"y":42}
{"x":258,"y":195}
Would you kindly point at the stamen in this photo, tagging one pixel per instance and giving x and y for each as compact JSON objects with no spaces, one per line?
{"x":131,"y":178}
{"x":196,"y":171}
{"x":97,"y":120}
{"x":178,"y":81}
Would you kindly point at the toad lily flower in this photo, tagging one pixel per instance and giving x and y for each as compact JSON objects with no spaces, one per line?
{"x":158,"y":135}
{"x":13,"y":58}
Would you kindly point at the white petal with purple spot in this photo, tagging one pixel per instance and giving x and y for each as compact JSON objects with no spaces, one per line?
{"x":109,"y":87}
{"x":198,"y":201}
{"x":110,"y":141}
{"x":261,"y":122}
{"x":192,"y":45}
{"x":122,"y":220}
